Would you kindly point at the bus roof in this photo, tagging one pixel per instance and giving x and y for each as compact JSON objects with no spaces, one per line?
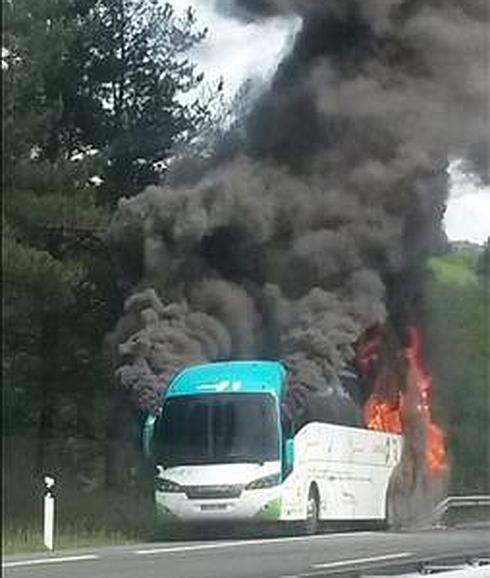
{"x":229,"y":377}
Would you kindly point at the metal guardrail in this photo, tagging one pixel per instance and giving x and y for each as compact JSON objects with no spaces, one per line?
{"x":459,"y":502}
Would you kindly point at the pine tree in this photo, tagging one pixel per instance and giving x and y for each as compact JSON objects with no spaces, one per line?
{"x":91,"y":112}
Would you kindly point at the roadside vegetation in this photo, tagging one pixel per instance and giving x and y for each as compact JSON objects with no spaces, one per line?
{"x":92,"y":113}
{"x":457,"y":315}
{"x":22,"y":539}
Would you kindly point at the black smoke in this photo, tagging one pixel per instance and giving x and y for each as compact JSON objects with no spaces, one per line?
{"x":317,"y":225}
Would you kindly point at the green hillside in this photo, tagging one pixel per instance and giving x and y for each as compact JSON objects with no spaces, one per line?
{"x":452,"y":269}
{"x":457,"y":319}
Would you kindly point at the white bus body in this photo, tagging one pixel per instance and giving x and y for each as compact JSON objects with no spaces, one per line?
{"x":349,"y":470}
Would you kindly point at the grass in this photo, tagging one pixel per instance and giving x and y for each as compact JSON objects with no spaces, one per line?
{"x":452,"y":271}
{"x":29,"y":539}
{"x":98,"y":518}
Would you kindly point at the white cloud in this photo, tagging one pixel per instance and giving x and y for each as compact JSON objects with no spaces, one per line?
{"x":236,"y":50}
{"x":468,"y":211}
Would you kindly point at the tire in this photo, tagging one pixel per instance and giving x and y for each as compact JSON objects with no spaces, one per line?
{"x":312,"y":522}
{"x":391,"y":520}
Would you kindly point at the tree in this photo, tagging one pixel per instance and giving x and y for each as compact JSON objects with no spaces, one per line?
{"x":459,"y":348}
{"x":483,"y":264}
{"x":91,"y":112}
{"x":105,"y":77}
{"x":49,"y":264}
{"x":131,"y":60}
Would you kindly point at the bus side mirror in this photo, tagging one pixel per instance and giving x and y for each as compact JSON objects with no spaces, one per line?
{"x":147,"y":435}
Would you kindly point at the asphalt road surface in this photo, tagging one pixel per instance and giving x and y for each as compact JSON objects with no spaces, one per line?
{"x":338,"y":554}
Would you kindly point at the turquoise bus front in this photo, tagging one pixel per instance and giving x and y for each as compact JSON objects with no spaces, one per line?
{"x":217,"y":444}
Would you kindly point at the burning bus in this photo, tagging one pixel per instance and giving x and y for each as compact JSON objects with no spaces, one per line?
{"x":226,"y":449}
{"x":229,"y":445}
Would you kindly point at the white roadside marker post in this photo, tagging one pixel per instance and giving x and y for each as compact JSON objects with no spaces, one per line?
{"x":49,"y":513}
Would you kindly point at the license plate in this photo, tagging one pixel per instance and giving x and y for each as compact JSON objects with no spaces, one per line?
{"x":213,"y":507}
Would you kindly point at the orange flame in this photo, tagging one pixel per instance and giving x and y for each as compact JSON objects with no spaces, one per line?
{"x":435,"y":449}
{"x":384,"y":414}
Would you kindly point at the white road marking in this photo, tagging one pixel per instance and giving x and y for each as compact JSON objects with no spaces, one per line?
{"x":50,"y":560}
{"x":237,"y":544}
{"x":363,"y":560}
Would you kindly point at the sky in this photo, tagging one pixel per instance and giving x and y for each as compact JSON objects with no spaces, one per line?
{"x":234,"y":50}
{"x":468,"y":211}
{"x":237,"y":51}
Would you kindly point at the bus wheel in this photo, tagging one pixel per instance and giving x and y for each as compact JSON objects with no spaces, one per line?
{"x":312,"y":512}
{"x":391,"y":521}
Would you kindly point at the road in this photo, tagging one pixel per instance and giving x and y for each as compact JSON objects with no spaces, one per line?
{"x":284,"y":557}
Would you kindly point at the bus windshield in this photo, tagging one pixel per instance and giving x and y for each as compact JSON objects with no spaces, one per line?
{"x":217,"y":429}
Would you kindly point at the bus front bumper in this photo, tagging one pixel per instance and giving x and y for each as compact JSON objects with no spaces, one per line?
{"x":252,"y":505}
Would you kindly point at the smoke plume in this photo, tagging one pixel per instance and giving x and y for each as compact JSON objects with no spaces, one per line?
{"x":315,"y":227}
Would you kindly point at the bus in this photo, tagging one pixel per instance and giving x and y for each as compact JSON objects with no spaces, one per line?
{"x":224,"y":451}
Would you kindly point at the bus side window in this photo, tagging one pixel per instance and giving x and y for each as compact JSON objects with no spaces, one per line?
{"x":287,"y":426}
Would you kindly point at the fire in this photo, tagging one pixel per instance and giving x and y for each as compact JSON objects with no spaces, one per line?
{"x":383,"y":416}
{"x":435,"y":450}
{"x":384,"y":409}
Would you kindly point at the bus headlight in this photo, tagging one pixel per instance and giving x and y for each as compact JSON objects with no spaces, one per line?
{"x":164,"y":485}
{"x":266,"y":482}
